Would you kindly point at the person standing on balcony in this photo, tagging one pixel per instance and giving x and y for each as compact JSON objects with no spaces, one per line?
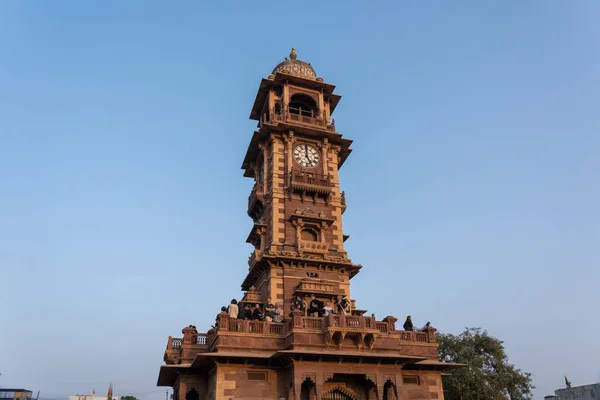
{"x":257,"y":314}
{"x":242,"y":312}
{"x":299,"y":304}
{"x":327,"y":309}
{"x":233,"y":309}
{"x":313,"y":306}
{"x":269,"y":309}
{"x":408,"y":325}
{"x":277,"y":313}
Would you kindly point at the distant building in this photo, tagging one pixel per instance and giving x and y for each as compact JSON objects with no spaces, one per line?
{"x":16,"y":394}
{"x":90,"y":397}
{"x":585,"y":392}
{"x":94,"y":397}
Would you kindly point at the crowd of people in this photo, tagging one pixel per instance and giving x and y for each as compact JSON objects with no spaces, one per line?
{"x":271,"y":312}
{"x":318,"y":308}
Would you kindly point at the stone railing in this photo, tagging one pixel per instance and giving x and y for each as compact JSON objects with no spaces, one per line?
{"x":247,"y":326}
{"x":298,"y":177}
{"x":290,"y":114}
{"x":200,"y":339}
{"x":300,"y":323}
{"x":174,"y":343}
{"x":334,"y":321}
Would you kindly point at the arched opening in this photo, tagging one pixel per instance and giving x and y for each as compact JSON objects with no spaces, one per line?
{"x":192,"y":395}
{"x":302,"y":104}
{"x":310,"y":235}
{"x":308,"y":391}
{"x":389,"y":391}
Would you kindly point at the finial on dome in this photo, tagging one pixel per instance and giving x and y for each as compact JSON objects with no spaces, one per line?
{"x":293,"y":53}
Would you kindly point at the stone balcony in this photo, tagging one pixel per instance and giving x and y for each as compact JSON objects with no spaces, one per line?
{"x":347,"y":334}
{"x":297,"y":116}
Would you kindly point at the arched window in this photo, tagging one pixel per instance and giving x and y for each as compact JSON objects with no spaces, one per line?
{"x":309,"y":234}
{"x":304,"y":105}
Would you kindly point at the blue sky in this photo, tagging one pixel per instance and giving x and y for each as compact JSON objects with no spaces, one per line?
{"x":473,"y":189}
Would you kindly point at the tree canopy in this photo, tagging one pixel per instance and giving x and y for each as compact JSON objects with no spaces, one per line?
{"x":129,"y":398}
{"x":488,"y":374}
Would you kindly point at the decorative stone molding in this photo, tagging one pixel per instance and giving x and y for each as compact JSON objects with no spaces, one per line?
{"x":309,"y":285}
{"x":311,"y":376}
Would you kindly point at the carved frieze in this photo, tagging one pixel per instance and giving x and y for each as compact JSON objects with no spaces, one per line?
{"x":309,"y":285}
{"x":312,"y":247}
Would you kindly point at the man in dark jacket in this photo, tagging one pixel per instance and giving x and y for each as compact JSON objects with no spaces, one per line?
{"x":408,"y":325}
{"x":314,"y":306}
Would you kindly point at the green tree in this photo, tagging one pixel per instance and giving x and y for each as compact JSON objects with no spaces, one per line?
{"x":488,"y":374}
{"x":129,"y":398}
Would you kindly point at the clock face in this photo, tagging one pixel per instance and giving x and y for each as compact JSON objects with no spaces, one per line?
{"x":306,"y":155}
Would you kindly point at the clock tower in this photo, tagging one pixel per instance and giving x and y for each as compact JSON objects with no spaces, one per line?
{"x":296,"y":203}
{"x":299,"y":263}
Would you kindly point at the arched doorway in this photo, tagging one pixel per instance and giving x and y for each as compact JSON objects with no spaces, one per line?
{"x":308,"y":391}
{"x":389,"y":391}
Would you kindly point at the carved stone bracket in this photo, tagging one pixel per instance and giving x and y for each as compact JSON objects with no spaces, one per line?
{"x":360,"y":340}
{"x":289,"y":137}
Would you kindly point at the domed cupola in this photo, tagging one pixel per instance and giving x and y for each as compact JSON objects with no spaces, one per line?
{"x":293,"y":66}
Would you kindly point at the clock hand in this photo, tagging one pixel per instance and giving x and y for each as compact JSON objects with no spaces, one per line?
{"x":307,"y":156}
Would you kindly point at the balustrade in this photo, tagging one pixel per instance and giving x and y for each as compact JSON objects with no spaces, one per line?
{"x":292,"y":114}
{"x":352,"y":321}
{"x":236,"y":325}
{"x":381,"y":326}
{"x":300,"y":322}
{"x":256,"y":326}
{"x":421,"y":337}
{"x":176,"y":343}
{"x":312,"y":323}
{"x":276,"y":328}
{"x":310,"y":178}
{"x":201,"y":339}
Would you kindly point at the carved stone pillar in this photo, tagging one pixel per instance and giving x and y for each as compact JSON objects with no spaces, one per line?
{"x":289,"y":149}
{"x":391,"y":321}
{"x":223,"y":321}
{"x":324,"y":153}
{"x":187,"y":334}
{"x":430,"y":334}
